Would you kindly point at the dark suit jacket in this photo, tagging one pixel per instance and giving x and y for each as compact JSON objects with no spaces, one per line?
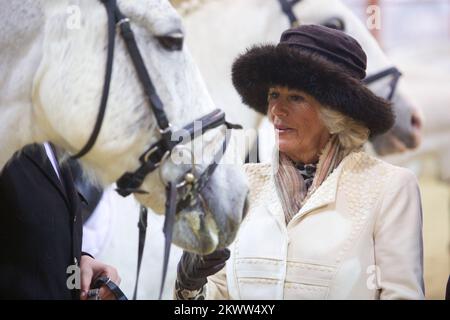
{"x":40,"y":228}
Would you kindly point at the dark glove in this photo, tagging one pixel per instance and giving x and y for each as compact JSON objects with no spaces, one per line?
{"x":193,"y":268}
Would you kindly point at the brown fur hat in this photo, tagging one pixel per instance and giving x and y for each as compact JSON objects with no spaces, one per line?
{"x":325,"y":63}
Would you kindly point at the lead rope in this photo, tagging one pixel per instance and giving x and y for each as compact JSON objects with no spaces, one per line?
{"x":171,"y":197}
{"x":142,"y":225}
{"x":171,"y":193}
{"x":93,"y":293}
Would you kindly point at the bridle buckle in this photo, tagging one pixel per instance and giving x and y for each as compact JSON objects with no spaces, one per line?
{"x":122,"y":21}
{"x":145,"y":157}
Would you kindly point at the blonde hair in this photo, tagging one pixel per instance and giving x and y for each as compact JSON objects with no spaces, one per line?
{"x":351,"y":133}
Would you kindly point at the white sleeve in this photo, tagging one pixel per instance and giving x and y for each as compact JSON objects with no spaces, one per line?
{"x":97,"y":229}
{"x":398,"y":240}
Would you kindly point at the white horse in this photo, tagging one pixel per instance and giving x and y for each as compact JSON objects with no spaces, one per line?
{"x":217,"y":31}
{"x":53,"y":69}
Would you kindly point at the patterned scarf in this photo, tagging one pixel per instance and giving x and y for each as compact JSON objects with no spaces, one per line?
{"x":296,"y":182}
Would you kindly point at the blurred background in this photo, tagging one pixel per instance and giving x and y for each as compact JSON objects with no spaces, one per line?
{"x":415,"y":34}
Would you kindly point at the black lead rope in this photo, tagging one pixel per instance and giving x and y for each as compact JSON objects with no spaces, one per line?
{"x":107,"y":282}
{"x":142,"y":225}
{"x":171,"y":205}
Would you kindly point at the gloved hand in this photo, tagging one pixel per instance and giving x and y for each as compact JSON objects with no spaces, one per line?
{"x":193,"y":268}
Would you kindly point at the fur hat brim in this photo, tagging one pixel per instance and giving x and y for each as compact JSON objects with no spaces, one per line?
{"x":261,"y":67}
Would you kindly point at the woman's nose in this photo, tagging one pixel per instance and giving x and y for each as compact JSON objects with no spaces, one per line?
{"x":278,"y":109}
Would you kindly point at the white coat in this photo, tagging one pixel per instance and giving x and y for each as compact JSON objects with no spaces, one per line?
{"x":359,"y":236}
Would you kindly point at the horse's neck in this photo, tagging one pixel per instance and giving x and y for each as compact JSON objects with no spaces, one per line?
{"x":21,"y":24}
{"x":316,"y":11}
{"x":233,"y":26}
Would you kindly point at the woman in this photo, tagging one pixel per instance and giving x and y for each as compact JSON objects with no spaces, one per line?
{"x":325,"y":220}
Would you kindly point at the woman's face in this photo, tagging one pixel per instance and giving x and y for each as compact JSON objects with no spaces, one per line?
{"x":295,"y":116}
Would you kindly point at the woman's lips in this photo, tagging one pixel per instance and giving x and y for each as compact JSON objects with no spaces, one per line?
{"x":279,"y":128}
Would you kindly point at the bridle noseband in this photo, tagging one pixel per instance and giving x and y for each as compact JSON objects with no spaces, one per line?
{"x":180,"y":194}
{"x":392,"y":71}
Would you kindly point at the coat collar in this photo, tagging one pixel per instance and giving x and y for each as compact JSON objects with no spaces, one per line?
{"x":324,"y":195}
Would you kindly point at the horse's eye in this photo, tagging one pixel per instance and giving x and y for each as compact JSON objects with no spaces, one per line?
{"x":172,"y":41}
{"x":334,"y":23}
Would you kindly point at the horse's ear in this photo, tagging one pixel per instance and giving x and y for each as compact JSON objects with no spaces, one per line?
{"x":334,"y":23}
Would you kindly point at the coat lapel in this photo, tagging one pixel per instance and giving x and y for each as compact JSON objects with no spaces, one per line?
{"x":37,"y":152}
{"x":68,"y":185}
{"x":325,"y":194}
{"x":274,"y":204}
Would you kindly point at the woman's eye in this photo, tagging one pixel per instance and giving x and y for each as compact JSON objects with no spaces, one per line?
{"x":273,"y":95}
{"x":296,"y":98}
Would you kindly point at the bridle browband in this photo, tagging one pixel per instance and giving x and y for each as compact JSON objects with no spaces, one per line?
{"x":180,"y":194}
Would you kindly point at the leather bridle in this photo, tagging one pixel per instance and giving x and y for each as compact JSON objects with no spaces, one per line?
{"x":180,"y":194}
{"x":392,"y":71}
{"x":287,"y":8}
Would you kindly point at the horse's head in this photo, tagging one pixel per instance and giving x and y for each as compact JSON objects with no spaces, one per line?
{"x":66,"y":94}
